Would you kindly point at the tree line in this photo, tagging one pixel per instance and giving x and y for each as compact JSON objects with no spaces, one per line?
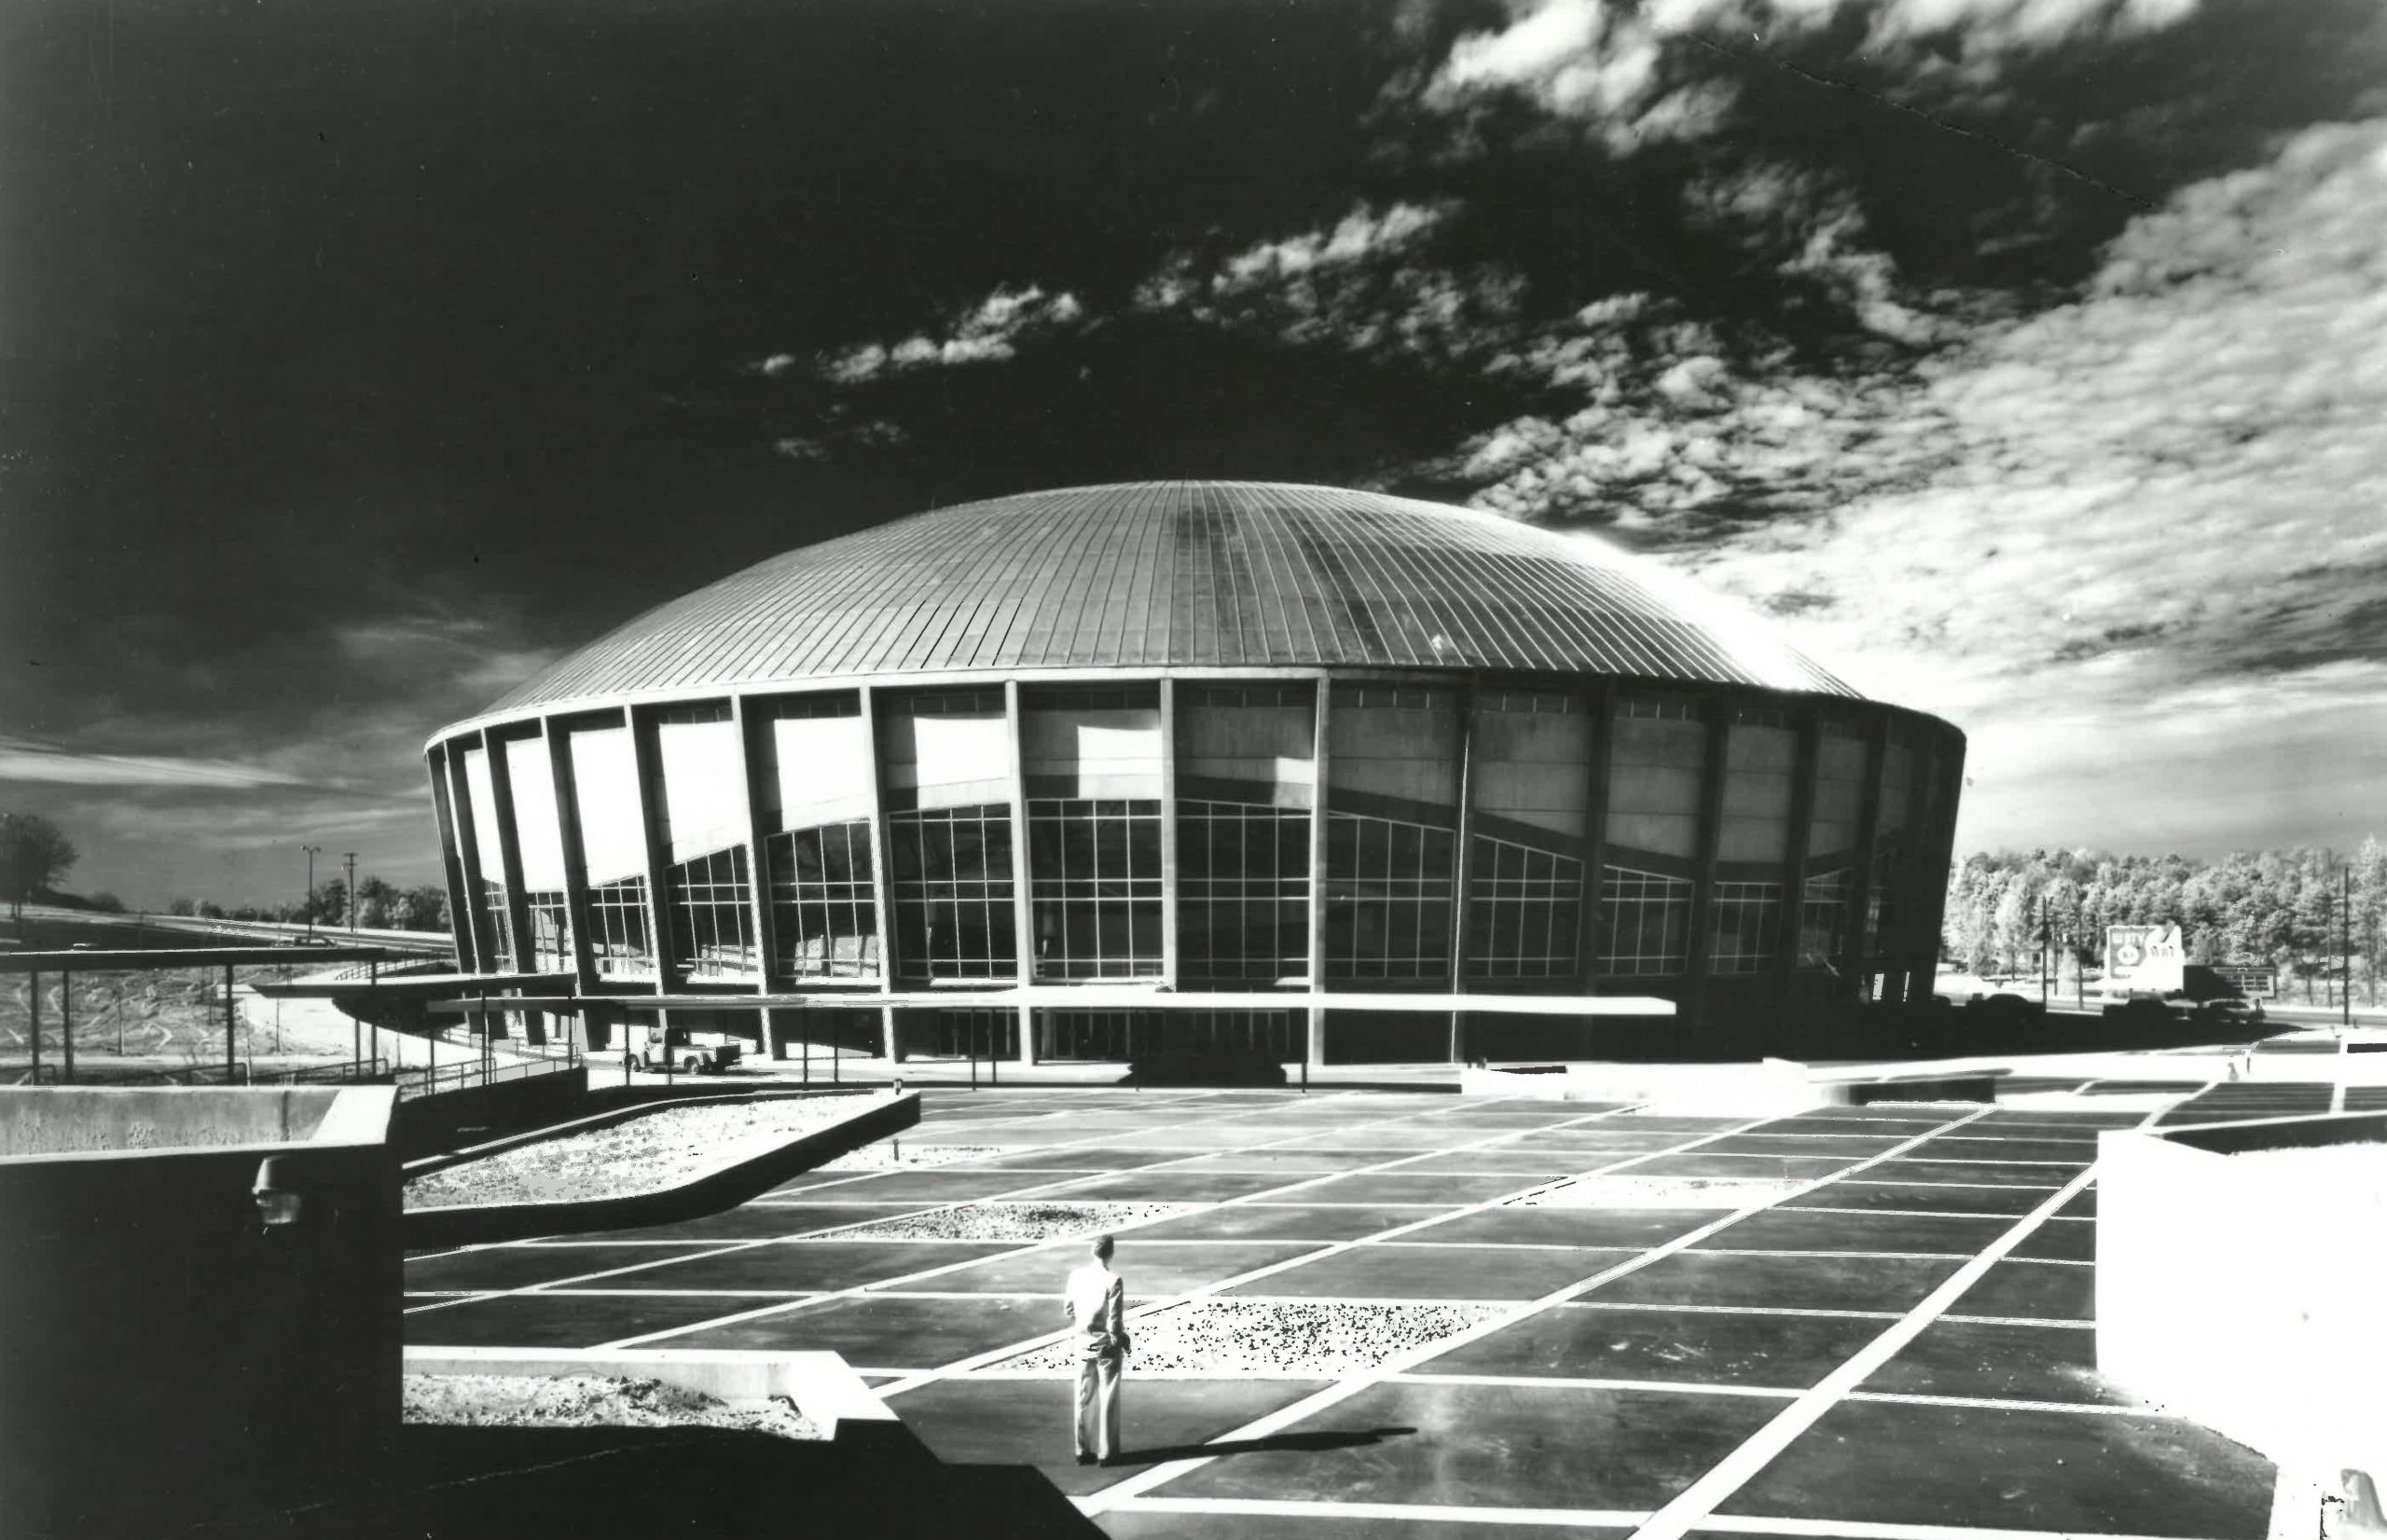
{"x":2284,"y":909}
{"x":36,"y":856}
{"x":379,"y":906}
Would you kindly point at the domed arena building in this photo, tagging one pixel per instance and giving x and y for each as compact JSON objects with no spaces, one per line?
{"x":1101,"y":773}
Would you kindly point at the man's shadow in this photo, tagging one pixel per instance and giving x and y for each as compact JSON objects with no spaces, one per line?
{"x":1294,"y":1443}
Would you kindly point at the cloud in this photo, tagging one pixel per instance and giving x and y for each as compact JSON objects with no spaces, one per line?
{"x":1630,"y":72}
{"x":25,"y":759}
{"x":988,"y":332}
{"x":1358,"y":284}
{"x":877,"y":434}
{"x":2154,"y":519}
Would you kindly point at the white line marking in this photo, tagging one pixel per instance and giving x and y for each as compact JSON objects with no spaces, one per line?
{"x":1558,"y":1518}
{"x":1534,"y":1382}
{"x":1695,"y":1504}
{"x":1343,"y":1390}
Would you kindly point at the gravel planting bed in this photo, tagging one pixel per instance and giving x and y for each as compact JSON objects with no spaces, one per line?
{"x":884,"y":1156}
{"x":653,"y":1153}
{"x":1022,"y":1221}
{"x":1717,"y":1192}
{"x":589,"y":1400}
{"x":1306,"y":1337}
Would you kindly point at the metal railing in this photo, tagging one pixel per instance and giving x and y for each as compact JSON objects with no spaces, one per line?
{"x":415,"y":1080}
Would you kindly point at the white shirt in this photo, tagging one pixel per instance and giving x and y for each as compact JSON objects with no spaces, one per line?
{"x":1096,"y":1300}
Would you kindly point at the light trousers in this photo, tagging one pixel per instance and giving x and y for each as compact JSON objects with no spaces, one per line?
{"x":1097,"y":1425}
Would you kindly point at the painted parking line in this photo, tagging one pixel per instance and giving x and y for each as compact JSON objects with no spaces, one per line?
{"x":882,"y":1285}
{"x":1694,"y":1506}
{"x":1143,"y":1482}
{"x":1330,"y":1249}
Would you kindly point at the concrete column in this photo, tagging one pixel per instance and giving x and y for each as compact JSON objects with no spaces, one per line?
{"x":1320,"y":753}
{"x":1022,"y":905}
{"x":468,"y":851}
{"x":758,"y":885}
{"x":1463,"y":860}
{"x":509,"y":855}
{"x":647,"y":755}
{"x":882,"y":854}
{"x":1940,"y":854}
{"x":1169,"y":833}
{"x":575,"y":860}
{"x":451,"y":860}
{"x":1712,"y":773}
{"x":1794,"y":874}
{"x":1596,"y":831}
{"x":1857,"y":946}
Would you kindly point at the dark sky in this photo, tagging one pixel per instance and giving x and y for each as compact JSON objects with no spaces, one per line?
{"x":358,"y":358}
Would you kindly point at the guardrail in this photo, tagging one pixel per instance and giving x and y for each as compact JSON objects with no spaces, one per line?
{"x":426,"y":1081}
{"x":346,"y":1072}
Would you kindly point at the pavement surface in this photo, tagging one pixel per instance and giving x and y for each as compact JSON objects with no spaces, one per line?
{"x":1899,"y":1347}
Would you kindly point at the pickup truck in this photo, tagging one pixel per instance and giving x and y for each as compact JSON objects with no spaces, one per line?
{"x":693,"y":1052}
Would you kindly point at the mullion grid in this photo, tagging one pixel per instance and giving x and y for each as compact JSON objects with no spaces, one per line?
{"x":1648,"y":923}
{"x":1744,"y":918}
{"x":1390,"y":886}
{"x":712,"y":923}
{"x":550,"y":928}
{"x":1242,"y":891}
{"x":825,"y":917}
{"x":952,"y":895}
{"x":1095,"y":866}
{"x":1823,"y":918}
{"x":1525,"y":911}
{"x":500,"y":915}
{"x":617,"y":942}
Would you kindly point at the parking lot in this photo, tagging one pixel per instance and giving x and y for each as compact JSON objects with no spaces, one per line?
{"x":1899,"y":1346}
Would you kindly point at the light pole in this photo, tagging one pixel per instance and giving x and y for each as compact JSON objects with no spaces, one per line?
{"x":352,"y":893}
{"x":311,"y":850}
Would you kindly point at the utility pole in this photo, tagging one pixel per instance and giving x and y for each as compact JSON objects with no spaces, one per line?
{"x":352,"y":893}
{"x":2345,"y":942}
{"x":311,"y":850}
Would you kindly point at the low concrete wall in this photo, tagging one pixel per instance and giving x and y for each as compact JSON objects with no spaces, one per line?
{"x":821,"y":1385}
{"x":708,"y":1194}
{"x":166,"y":1362}
{"x":475,"y":1114}
{"x":2238,"y":1290}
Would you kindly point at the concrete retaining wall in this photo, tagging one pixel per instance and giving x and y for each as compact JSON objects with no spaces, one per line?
{"x":475,"y":1114}
{"x":722,"y":1189}
{"x":165,"y":1360}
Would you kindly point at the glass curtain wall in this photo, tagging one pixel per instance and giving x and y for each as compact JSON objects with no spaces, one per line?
{"x":530,"y":780}
{"x":1744,"y":916}
{"x":812,"y":776}
{"x":1392,"y":833}
{"x":702,"y":818}
{"x":1092,"y":763}
{"x":1655,"y":765}
{"x":1525,"y":876}
{"x":1889,"y":897}
{"x":485,"y":862}
{"x":947,"y":762}
{"x":613,"y":850}
{"x":1830,"y":887}
{"x":1247,"y":783}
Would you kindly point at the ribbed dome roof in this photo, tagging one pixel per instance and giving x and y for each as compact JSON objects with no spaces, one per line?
{"x":1150,"y":574}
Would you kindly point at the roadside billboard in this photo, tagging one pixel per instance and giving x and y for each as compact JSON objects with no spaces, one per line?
{"x":2144,"y":959}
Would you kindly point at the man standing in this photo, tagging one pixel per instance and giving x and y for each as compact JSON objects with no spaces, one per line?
{"x":1097,"y":1302}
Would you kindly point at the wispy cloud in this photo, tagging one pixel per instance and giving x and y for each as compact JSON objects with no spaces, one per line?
{"x":1632,"y":74}
{"x":25,"y":759}
{"x":1361,"y":283}
{"x":2156,"y":520}
{"x":988,"y":332}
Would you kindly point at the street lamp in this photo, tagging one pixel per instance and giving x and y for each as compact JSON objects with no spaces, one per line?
{"x":352,"y":893}
{"x":311,"y":850}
